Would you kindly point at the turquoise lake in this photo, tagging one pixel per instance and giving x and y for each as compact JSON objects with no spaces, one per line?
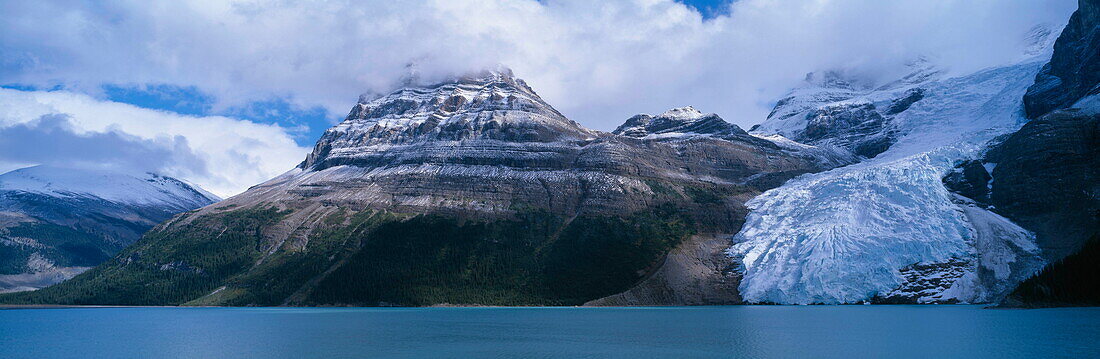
{"x":656,"y":332}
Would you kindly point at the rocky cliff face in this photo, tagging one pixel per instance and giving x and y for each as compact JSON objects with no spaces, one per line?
{"x":1074,"y":70}
{"x":58,"y":222}
{"x":1046,"y":176}
{"x":472,"y":191}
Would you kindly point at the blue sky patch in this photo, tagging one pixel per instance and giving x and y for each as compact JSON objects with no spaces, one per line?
{"x":709,"y":8}
{"x":182,"y":100}
{"x":305,"y":125}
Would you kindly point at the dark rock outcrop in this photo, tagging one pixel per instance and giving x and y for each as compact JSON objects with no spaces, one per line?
{"x":902,"y":104}
{"x":969,"y":179}
{"x":858,"y":127}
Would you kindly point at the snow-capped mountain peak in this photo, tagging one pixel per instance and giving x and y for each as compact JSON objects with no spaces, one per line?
{"x":482,"y":106}
{"x":682,"y":113}
{"x":679,"y":122}
{"x":134,"y":189}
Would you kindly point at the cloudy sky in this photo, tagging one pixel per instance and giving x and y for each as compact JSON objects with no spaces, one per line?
{"x":227,"y":94}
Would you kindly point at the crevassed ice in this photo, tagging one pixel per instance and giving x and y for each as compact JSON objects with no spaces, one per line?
{"x":842,"y":236}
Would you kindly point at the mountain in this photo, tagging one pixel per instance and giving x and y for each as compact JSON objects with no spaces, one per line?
{"x":680,"y":122}
{"x":469,"y":191}
{"x":1046,"y":176}
{"x":836,"y":111}
{"x":57,"y":222}
{"x":891,"y":228}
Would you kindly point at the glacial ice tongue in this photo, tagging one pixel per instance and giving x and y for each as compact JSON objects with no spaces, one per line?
{"x":846,"y":235}
{"x":842,"y":238}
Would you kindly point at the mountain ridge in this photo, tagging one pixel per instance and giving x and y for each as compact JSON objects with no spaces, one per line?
{"x":472,"y":191}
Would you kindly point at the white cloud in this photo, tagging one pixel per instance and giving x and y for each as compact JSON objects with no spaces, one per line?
{"x":52,"y":139}
{"x":597,"y":61}
{"x":221,"y":154}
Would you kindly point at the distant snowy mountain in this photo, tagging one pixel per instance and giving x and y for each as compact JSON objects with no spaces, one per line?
{"x":56,"y":222}
{"x":887,"y":229}
{"x":146,"y":189}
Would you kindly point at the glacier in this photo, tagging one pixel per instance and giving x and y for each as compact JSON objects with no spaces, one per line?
{"x":887,"y":226}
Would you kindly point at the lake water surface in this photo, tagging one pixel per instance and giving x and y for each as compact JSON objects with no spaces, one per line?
{"x":659,"y":332}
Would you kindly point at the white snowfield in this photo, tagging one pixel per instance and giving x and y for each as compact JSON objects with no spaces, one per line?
{"x":888,"y":226}
{"x":144,"y":189}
